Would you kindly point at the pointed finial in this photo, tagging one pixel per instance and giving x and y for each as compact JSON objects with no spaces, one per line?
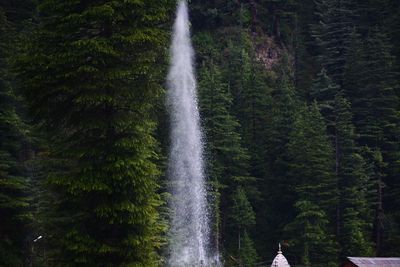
{"x":280,"y":248}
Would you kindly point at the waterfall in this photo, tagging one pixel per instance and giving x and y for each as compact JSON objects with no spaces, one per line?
{"x":189,"y":230}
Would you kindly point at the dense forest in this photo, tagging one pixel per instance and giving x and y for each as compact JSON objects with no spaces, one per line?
{"x":300,"y":108}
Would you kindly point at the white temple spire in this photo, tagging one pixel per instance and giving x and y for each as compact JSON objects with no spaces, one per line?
{"x":280,"y":260}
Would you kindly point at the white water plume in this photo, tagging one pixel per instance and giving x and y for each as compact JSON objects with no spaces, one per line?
{"x":189,"y":232}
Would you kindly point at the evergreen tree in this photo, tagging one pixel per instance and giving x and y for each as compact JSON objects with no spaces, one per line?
{"x":326,"y":174}
{"x":323,"y":90}
{"x":312,"y":243}
{"x":223,"y":139}
{"x":248,"y":254}
{"x":242,"y":212}
{"x":282,"y":116}
{"x":278,"y":17}
{"x":332,"y":30}
{"x":354,"y":65}
{"x":90,"y":77}
{"x":376,"y":111}
{"x":228,"y":161}
{"x":254,"y":105}
{"x":18,"y":12}
{"x":312,"y":178}
{"x":243,"y":217}
{"x":14,"y":200}
{"x":312,"y":160}
{"x":215,"y":14}
{"x":355,"y":218}
{"x":284,"y":104}
{"x":304,"y":46}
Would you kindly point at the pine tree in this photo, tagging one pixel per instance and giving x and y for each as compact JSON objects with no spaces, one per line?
{"x":18,"y":13}
{"x":312,"y":243}
{"x":228,"y":161}
{"x":14,"y":198}
{"x":243,"y":217}
{"x":284,"y":104}
{"x":214,"y":14}
{"x":313,"y":181}
{"x":376,"y":111}
{"x":242,"y":212}
{"x":323,"y":90}
{"x":248,"y":254}
{"x":224,"y":141}
{"x":90,"y":76}
{"x":354,"y":209}
{"x":312,"y":160}
{"x":254,"y":105}
{"x":335,"y":21}
{"x":354,"y":65}
{"x":278,"y":17}
{"x":282,"y":116}
{"x":375,"y":100}
{"x":250,"y":87}
{"x":238,"y":69}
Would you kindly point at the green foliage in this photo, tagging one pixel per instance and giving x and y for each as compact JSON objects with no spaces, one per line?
{"x":325,"y":175}
{"x":354,"y":209}
{"x":331,"y":31}
{"x":373,"y":91}
{"x":14,"y":198}
{"x":311,"y":160}
{"x":242,"y":213}
{"x":279,"y":126}
{"x":283,"y":112}
{"x":248,"y":254}
{"x":311,"y":239}
{"x":243,"y":217}
{"x":311,"y":172}
{"x":228,"y":161}
{"x":323,"y":90}
{"x":223,"y":139}
{"x":90,"y":77}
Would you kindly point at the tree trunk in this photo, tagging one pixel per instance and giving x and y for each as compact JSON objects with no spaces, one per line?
{"x":254,"y":16}
{"x":380,"y":216}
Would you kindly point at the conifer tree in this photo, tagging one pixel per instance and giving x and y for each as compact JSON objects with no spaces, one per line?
{"x":224,"y":141}
{"x":375,"y":99}
{"x":311,"y":172}
{"x":228,"y":161}
{"x":323,"y":90}
{"x":248,"y":254}
{"x":355,"y":215}
{"x":90,"y":77}
{"x":354,"y":65}
{"x":376,"y":111}
{"x":284,"y":104}
{"x":311,"y":161}
{"x":242,"y":212}
{"x":311,"y":240}
{"x":238,"y":69}
{"x":250,"y":87}
{"x":254,"y":105}
{"x":14,"y":200}
{"x":332,"y":30}
{"x":243,"y":217}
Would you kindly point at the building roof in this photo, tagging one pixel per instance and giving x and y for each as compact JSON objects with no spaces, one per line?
{"x":280,"y":260}
{"x":374,"y":262}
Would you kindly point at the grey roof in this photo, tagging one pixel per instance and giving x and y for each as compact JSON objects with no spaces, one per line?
{"x":374,"y":262}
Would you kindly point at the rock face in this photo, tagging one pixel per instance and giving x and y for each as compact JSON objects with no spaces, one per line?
{"x":268,"y":52}
{"x":280,"y":260}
